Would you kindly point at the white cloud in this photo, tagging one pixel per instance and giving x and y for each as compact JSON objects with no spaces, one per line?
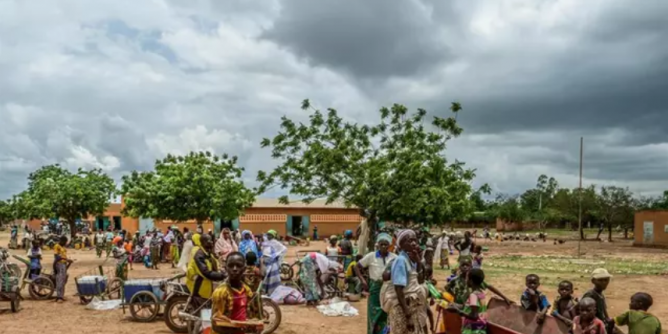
{"x":82,"y":157}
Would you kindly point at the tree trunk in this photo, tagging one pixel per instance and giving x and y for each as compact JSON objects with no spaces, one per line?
{"x":626,"y":233}
{"x":582,"y":233}
{"x":372,"y":225}
{"x":610,"y":232}
{"x":73,"y":228}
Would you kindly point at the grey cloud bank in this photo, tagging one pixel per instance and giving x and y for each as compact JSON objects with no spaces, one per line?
{"x":117,"y":84}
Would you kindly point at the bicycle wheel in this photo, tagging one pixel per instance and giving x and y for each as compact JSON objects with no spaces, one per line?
{"x":271,"y":315}
{"x":286,"y":272}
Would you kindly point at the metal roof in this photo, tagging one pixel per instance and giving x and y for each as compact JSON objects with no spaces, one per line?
{"x":298,"y":204}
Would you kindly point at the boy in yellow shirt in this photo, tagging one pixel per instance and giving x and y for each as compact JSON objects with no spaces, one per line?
{"x":354,"y":283}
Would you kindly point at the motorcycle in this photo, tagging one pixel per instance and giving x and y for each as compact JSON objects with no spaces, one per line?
{"x":182,"y":310}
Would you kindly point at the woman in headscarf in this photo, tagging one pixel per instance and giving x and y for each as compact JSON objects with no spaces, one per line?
{"x":156,"y":245}
{"x":272,"y":256}
{"x":146,"y":249}
{"x":121,"y":256}
{"x":442,"y":250}
{"x":247,"y":244}
{"x":376,"y":263}
{"x":405,"y":299}
{"x":225,"y":245}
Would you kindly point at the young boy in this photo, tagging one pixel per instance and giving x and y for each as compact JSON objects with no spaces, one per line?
{"x":600,"y":278}
{"x":231,"y":301}
{"x":587,"y":322}
{"x":128,"y":246}
{"x":564,"y":305}
{"x":637,"y":318}
{"x":35,"y":256}
{"x":354,"y":282}
{"x":534,"y":300}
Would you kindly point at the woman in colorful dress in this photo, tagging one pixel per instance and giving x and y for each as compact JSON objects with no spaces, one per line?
{"x":247,"y":244}
{"x":376,"y":262}
{"x":309,"y":275}
{"x":61,"y":263}
{"x":272,"y":256}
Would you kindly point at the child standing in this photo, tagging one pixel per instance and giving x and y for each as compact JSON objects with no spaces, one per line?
{"x":474,"y":320}
{"x":128,"y":246}
{"x":232,"y":299}
{"x":477,"y":257}
{"x":587,"y":322}
{"x":354,"y":282}
{"x":637,"y":318}
{"x":564,"y":305}
{"x":534,"y":300}
{"x":600,"y":278}
{"x":35,"y":256}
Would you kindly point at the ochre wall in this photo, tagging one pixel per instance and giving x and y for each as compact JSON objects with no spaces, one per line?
{"x":660,"y":220}
{"x":258,"y":220}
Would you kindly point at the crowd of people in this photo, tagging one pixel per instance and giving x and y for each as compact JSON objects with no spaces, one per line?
{"x":399,"y":298}
{"x":395,"y":275}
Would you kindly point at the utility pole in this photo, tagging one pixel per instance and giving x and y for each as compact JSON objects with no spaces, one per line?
{"x":580,"y":197}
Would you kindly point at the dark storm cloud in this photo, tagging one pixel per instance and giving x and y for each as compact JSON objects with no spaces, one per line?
{"x":367,"y":39}
{"x":119,"y":138}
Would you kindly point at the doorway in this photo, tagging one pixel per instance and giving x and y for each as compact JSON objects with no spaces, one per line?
{"x":648,"y":232}
{"x":297,"y":226}
{"x":102,"y":223}
{"x":117,"y":223}
{"x":226,"y":224}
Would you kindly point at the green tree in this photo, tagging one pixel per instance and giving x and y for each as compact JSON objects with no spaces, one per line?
{"x":56,"y":192}
{"x":6,"y":213}
{"x":537,"y":202}
{"x":616,"y":206}
{"x":395,"y":170}
{"x":197,"y":186}
{"x":509,"y":208}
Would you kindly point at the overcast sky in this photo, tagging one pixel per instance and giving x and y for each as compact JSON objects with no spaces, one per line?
{"x":116,"y":84}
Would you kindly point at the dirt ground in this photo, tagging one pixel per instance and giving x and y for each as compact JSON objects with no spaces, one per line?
{"x":72,"y":317}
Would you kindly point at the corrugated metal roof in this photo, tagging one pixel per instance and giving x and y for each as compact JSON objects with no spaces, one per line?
{"x":298,"y":204}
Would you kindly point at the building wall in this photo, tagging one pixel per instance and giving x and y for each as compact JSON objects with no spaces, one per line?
{"x":258,"y":220}
{"x":659,"y":220}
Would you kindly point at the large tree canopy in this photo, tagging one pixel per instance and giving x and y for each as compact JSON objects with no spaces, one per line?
{"x":197,"y":186}
{"x":395,"y":170}
{"x":56,"y":192}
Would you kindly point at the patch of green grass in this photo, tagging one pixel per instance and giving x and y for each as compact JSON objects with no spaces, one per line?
{"x":569,"y":265}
